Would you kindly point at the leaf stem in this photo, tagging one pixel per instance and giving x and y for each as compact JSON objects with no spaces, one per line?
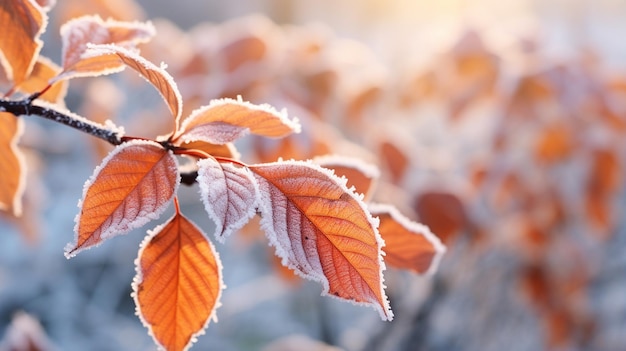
{"x":229,"y":160}
{"x":26,"y":107}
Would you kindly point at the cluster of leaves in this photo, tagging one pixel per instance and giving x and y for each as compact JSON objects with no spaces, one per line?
{"x":538,"y":181}
{"x":320,"y":227}
{"x":506,"y":149}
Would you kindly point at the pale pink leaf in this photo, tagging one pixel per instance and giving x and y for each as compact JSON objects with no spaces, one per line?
{"x":228,"y":193}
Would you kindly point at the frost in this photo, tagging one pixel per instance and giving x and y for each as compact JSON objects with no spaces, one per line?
{"x":229,"y":195}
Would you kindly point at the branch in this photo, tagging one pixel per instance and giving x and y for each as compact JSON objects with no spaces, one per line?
{"x":26,"y":107}
{"x":115,"y":137}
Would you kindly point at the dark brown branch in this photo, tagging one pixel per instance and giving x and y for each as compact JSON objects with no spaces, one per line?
{"x":26,"y":107}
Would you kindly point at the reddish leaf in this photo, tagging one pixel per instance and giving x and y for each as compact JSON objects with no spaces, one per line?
{"x":360,"y":175}
{"x":408,"y":245}
{"x":395,"y":159}
{"x":12,"y":166}
{"x":322,"y":231}
{"x":133,"y":185}
{"x":229,"y":195}
{"x":226,"y":120}
{"x":80,"y":32}
{"x":443,"y":212}
{"x":43,"y":71}
{"x":178,"y":283}
{"x":157,"y":76}
{"x":22,"y":21}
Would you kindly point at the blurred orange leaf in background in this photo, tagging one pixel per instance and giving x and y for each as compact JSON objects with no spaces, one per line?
{"x":12,"y":172}
{"x":22,"y":24}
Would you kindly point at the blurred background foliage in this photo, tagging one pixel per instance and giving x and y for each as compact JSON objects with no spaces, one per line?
{"x":499,"y":124}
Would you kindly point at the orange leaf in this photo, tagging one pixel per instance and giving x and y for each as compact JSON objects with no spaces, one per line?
{"x":408,"y":245}
{"x":80,"y":32}
{"x":133,"y":185}
{"x":322,"y":231}
{"x":178,"y":283}
{"x":23,"y":21}
{"x":12,"y":166}
{"x":362,"y":176}
{"x":228,"y":193}
{"x":157,"y":76}
{"x":226,"y":120}
{"x":43,"y":71}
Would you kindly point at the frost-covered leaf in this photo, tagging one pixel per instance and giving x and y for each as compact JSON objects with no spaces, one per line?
{"x":178,"y":283}
{"x":43,"y":71}
{"x":408,"y":245}
{"x":226,"y":120}
{"x":22,"y":23}
{"x":132,"y":186}
{"x":157,"y":76}
{"x":228,"y":193}
{"x":12,"y":166}
{"x":322,"y":230}
{"x":362,"y":176}
{"x":79,"y":32}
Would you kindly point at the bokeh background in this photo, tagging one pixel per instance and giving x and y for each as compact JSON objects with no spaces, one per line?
{"x":499,"y":124}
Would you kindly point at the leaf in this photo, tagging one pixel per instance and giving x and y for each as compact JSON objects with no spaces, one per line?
{"x":43,"y":71}
{"x":227,"y":150}
{"x":23,"y":22}
{"x":408,"y":245}
{"x":361,"y":175}
{"x":12,"y":166}
{"x":132,"y":186}
{"x":443,"y":212}
{"x":228,"y":193}
{"x":157,"y":76}
{"x":77,"y":33}
{"x":322,"y":230}
{"x":226,"y":120}
{"x":178,"y":283}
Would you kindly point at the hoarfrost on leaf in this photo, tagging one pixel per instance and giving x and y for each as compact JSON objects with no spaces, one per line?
{"x":229,"y":194}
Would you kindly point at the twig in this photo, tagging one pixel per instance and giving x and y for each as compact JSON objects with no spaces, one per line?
{"x":26,"y":107}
